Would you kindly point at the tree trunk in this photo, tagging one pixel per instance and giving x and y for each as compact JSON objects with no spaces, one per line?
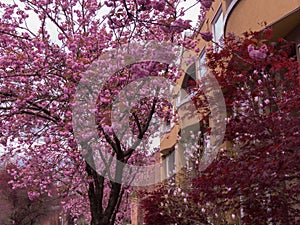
{"x":95,"y":193}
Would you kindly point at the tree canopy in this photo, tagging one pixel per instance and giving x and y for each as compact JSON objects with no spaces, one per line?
{"x":255,"y":178}
{"x":46,"y":46}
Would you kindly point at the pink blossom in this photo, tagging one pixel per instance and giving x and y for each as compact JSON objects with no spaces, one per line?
{"x":180,"y":25}
{"x":267,"y":101}
{"x":33,"y":195}
{"x":207,"y":35}
{"x":258,"y":54}
{"x":109,"y":4}
{"x":206,"y":4}
{"x":60,"y":36}
{"x":146,"y":5}
{"x":160,"y":5}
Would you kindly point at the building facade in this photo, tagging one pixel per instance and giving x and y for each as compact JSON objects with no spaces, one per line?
{"x":225,"y":16}
{"x":229,"y":16}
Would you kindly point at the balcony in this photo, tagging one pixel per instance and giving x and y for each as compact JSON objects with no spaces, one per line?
{"x":169,"y":140}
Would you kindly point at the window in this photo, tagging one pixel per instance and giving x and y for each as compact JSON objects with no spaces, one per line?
{"x":173,"y":116}
{"x":168,"y":126}
{"x":170,"y":164}
{"x":189,"y":82}
{"x":206,"y":141}
{"x":218,"y":26}
{"x":228,"y":2}
{"x":178,"y":99}
{"x":202,"y":64}
{"x":187,"y":87}
{"x":165,"y":127}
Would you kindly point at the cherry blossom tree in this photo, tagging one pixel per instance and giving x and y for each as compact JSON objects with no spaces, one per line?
{"x":40,"y":70}
{"x":17,"y":208}
{"x":255,"y":178}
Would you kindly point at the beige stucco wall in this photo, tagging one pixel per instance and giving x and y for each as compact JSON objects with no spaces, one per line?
{"x":250,"y":14}
{"x":169,"y":139}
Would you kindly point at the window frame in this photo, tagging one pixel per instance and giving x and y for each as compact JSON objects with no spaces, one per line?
{"x":217,"y":16}
{"x":202,"y":56}
{"x":170,"y":163}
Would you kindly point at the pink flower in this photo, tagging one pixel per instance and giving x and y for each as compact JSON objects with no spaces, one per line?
{"x":60,"y":36}
{"x":206,"y":4}
{"x":180,"y":25}
{"x":267,"y":101}
{"x":258,"y":54}
{"x":160,"y":5}
{"x":263,"y":49}
{"x":207,"y":35}
{"x":109,"y":4}
{"x":145,"y":4}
